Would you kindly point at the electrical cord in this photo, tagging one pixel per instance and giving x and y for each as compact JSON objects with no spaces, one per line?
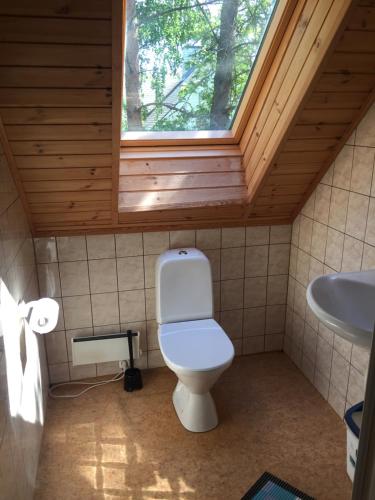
{"x":92,"y":385}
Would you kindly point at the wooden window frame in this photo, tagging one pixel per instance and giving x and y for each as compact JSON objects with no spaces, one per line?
{"x":275,"y":33}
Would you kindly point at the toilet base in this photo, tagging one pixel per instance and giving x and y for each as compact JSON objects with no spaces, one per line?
{"x":197,"y":412}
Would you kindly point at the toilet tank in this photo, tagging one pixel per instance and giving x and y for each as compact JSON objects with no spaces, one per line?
{"x":183,"y":286}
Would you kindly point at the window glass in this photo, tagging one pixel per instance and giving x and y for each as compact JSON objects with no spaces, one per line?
{"x":187,"y":62}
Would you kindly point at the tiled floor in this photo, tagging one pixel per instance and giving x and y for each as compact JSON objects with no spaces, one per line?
{"x":113,"y":445}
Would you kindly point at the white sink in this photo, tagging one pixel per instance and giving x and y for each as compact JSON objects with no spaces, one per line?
{"x":345,"y":302}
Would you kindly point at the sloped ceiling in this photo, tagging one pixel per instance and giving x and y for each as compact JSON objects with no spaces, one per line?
{"x":56,"y":108}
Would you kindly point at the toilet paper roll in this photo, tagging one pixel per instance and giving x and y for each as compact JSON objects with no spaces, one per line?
{"x":44,"y":315}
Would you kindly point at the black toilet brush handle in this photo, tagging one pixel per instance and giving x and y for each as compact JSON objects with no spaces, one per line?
{"x":130,"y":344}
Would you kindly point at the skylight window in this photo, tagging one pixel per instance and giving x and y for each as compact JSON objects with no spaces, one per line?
{"x":187,"y":62}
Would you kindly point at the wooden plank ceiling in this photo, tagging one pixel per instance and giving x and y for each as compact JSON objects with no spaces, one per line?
{"x":56,"y":106}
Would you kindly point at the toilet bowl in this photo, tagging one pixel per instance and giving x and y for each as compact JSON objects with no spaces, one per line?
{"x":192,"y":343}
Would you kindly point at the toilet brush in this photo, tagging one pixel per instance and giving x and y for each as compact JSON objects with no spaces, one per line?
{"x":133,"y":377}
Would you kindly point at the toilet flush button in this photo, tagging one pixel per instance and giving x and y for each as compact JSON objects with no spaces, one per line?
{"x":182,"y":252}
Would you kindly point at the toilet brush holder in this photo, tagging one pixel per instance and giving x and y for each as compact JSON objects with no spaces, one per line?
{"x":133,"y":376}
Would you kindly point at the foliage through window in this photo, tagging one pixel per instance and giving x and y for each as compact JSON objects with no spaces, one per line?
{"x":187,"y":62}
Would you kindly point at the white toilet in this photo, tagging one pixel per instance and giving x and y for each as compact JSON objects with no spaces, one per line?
{"x":193,"y":345}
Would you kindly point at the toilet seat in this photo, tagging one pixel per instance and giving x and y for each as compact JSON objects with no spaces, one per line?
{"x":200,"y":345}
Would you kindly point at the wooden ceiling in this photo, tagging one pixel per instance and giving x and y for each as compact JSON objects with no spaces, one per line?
{"x":59,"y":107}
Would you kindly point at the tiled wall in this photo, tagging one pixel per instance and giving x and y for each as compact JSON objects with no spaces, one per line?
{"x":106,"y":284}
{"x":335,"y":231}
{"x":23,"y":368}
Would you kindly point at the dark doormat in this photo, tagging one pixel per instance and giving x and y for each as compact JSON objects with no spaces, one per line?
{"x":269,"y":487}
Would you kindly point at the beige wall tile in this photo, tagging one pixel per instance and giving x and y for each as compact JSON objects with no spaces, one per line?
{"x":103,"y":276}
{"x":58,"y":373}
{"x":80,"y":372}
{"x":128,"y":245}
{"x":259,"y":235}
{"x":351,"y":140}
{"x":356,"y":386}
{"x":343,"y":347}
{"x":254,"y":321}
{"x":208,"y":238}
{"x":291,"y":290}
{"x":281,"y":234}
{"x":106,"y":329}
{"x":45,"y":250}
{"x":108,"y":368}
{"x":256,"y":261}
{"x":322,"y":202}
{"x":334,"y":249}
{"x":368,"y":260}
{"x":295,"y":230}
{"x":214,"y":256}
{"x":360,"y":359}
{"x":343,"y":168}
{"x":182,"y":239}
{"x":232,"y":294}
{"x":231,"y":322}
{"x":255,"y":292}
{"x":130,"y":273}
{"x":316,"y":268}
{"x":309,"y":206}
{"x":298,"y":329}
{"x":300,"y":299}
{"x":105,"y":308}
{"x":101,"y":246}
{"x":152,"y":335}
{"x":321,"y":383}
{"x":217,"y":295}
{"x":357,"y":215}
{"x":326,"y":333}
{"x":328,"y":176}
{"x":308,"y":368}
{"x":293,"y":261}
{"x":311,"y":319}
{"x":340,"y":373}
{"x":132,"y":306}
{"x":74,"y":278}
{"x":155,"y":359}
{"x":253,"y":345}
{"x":305,"y":233}
{"x":71,"y":248}
{"x":273,"y":342}
{"x":49,"y":280}
{"x":232,"y":237}
{"x":296,"y":355}
{"x":77,"y":311}
{"x":337,"y":401}
{"x":324,"y":357}
{"x":363,"y":166}
{"x":352,"y":256}
{"x":338,"y":209}
{"x":303,"y":267}
{"x":150,"y":303}
{"x":278,"y":259}
{"x":232,"y":263}
{"x":310,"y":342}
{"x":275,"y":319}
{"x":370,"y":229}
{"x":56,"y":347}
{"x":155,"y":243}
{"x":149,"y":264}
{"x":319,"y":240}
{"x":277,"y":289}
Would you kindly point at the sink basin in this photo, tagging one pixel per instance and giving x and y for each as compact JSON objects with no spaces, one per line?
{"x":345,"y":303}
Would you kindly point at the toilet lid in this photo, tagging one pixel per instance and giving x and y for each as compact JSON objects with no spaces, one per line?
{"x":200,"y":345}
